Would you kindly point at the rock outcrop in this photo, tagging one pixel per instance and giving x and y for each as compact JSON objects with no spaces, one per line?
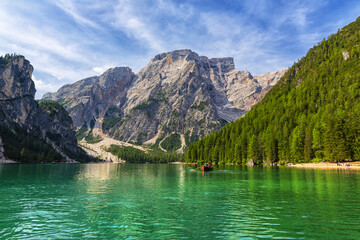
{"x":18,"y":109}
{"x":177,"y":91}
{"x":88,"y":100}
{"x":1,"y":150}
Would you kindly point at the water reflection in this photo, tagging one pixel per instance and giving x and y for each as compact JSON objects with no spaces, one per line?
{"x":128,"y":198}
{"x":114,"y":201}
{"x":96,"y":172}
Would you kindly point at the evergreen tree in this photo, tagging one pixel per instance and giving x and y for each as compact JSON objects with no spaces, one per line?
{"x":311,"y":114}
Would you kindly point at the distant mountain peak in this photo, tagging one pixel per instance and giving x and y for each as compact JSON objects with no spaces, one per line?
{"x":177,"y":91}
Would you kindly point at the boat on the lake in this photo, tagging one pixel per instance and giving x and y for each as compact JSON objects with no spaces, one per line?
{"x":207,"y":167}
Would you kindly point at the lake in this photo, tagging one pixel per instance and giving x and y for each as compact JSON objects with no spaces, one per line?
{"x":150,"y":201}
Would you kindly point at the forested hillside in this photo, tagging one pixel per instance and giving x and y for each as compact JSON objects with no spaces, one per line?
{"x":312,"y":114}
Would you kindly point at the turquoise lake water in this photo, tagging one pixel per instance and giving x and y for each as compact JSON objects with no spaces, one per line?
{"x":149,"y":201}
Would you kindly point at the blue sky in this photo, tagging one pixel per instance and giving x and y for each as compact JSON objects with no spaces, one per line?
{"x":68,"y":40}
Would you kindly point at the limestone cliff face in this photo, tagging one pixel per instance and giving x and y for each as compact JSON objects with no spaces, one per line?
{"x":183,"y":92}
{"x":19,"y":108}
{"x":177,"y":91}
{"x":17,"y":90}
{"x":88,"y":100}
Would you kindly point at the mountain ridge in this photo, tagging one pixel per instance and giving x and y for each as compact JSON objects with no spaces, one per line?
{"x":176,"y":92}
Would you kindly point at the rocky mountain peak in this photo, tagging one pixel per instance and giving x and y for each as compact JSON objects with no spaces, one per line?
{"x":186,"y":54}
{"x":15,"y":79}
{"x":223,"y":65}
{"x":111,"y":76}
{"x":176,"y":92}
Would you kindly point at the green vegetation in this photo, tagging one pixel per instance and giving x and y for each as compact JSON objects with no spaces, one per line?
{"x":172,"y":142}
{"x":141,"y":137}
{"x":81,"y":133}
{"x":312,"y":114}
{"x":189,"y":139}
{"x":201,"y":122}
{"x":153,"y":102}
{"x":23,"y":147}
{"x":63,"y":101}
{"x":51,"y":107}
{"x":81,"y":156}
{"x":158,"y":140}
{"x":111,"y":118}
{"x":7,"y":58}
{"x":146,"y":104}
{"x":26,"y":148}
{"x":92,"y":139}
{"x":133,"y":155}
{"x":175,"y":123}
{"x":202,"y":105}
{"x":109,"y":122}
{"x":92,"y":123}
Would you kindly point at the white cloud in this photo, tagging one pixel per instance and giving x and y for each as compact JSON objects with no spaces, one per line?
{"x":127,"y":18}
{"x":44,"y":87}
{"x":68,"y":40}
{"x":70,"y":8}
{"x":27,"y":33}
{"x":101,"y":70}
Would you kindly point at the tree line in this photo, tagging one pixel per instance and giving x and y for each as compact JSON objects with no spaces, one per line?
{"x":134,"y":155}
{"x":26,"y":148}
{"x":311,"y":114}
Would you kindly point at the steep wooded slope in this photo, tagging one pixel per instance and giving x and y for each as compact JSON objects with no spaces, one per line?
{"x":313,"y":113}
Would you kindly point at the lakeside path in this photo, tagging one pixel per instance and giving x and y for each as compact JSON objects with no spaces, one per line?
{"x":326,"y":165}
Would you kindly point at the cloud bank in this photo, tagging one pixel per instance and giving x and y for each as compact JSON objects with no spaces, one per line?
{"x":67,"y":40}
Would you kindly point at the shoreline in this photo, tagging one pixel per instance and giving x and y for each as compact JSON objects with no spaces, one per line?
{"x":7,"y":161}
{"x":327,"y":165}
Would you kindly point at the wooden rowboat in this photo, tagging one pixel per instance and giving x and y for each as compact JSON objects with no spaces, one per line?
{"x":206,"y":168}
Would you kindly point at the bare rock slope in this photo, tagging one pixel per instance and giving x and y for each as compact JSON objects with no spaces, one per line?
{"x":89,"y":99}
{"x":176,"y":92}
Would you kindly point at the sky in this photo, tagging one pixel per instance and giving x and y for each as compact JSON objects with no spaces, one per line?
{"x":69,"y":40}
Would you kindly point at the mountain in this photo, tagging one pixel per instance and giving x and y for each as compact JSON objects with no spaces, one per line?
{"x":177,"y":97}
{"x":311,"y":114}
{"x":32,"y":131}
{"x":89,"y":99}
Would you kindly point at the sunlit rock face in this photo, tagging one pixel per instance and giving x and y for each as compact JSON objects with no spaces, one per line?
{"x":87,"y":100}
{"x":177,"y":91}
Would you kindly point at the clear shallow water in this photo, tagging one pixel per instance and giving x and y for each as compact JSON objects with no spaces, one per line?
{"x":110,"y":201}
